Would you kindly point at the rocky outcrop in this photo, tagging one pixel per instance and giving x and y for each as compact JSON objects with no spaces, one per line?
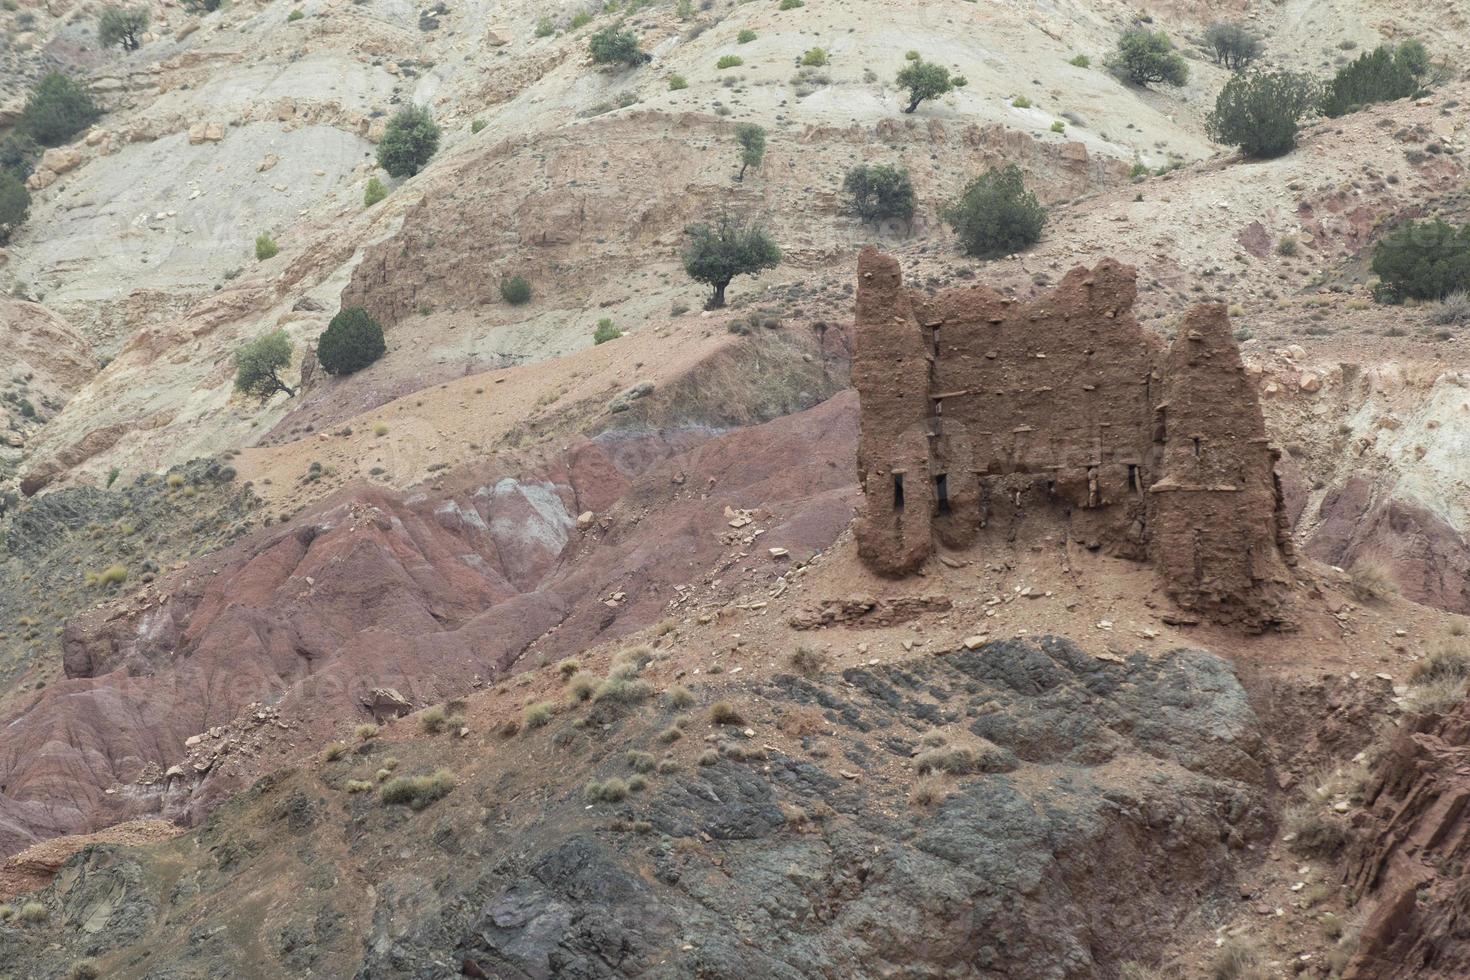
{"x":1411,"y":855}
{"x":975,"y":407}
{"x":1115,"y":799}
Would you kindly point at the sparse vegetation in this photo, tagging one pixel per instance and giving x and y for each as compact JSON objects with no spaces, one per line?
{"x":614,"y":46}
{"x":15,"y":204}
{"x":729,"y":61}
{"x":1238,"y":959}
{"x":809,"y":662}
{"x":374,"y":192}
{"x":640,"y":761}
{"x":57,"y":109}
{"x":612,"y":790}
{"x":432,"y":720}
{"x":878,"y":192}
{"x":1146,"y":57}
{"x":752,"y":140}
{"x":365,"y":731}
{"x":334,"y":751}
{"x":515,"y":290}
{"x":351,"y":342}
{"x":745,"y":36}
{"x":418,"y":792}
{"x":814,"y":57}
{"x":410,"y":140}
{"x":1315,"y":831}
{"x":929,"y":791}
{"x":926,"y":80}
{"x":1447,"y":663}
{"x":1261,"y":112}
{"x":605,"y":331}
{"x":1453,"y":310}
{"x":1233,"y":46}
{"x":265,"y":247}
{"x":680,"y":697}
{"x":123,"y":26}
{"x":538,"y":715}
{"x":258,"y":365}
{"x":1381,"y":75}
{"x":725,"y":713}
{"x":1081,"y":61}
{"x":32,"y":913}
{"x":1371,"y":581}
{"x":622,"y":690}
{"x":728,"y":247}
{"x":1422,"y":260}
{"x":996,"y":215}
{"x":677,"y":82}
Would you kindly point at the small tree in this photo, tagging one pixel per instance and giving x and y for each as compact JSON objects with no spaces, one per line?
{"x":258,"y":365}
{"x":752,"y":140}
{"x":351,"y":342}
{"x":1261,"y":113}
{"x":1233,"y":45}
{"x":996,"y":215}
{"x":605,"y":331}
{"x":515,"y":290}
{"x":1422,"y":260}
{"x":122,"y":25}
{"x":1381,"y":75}
{"x":57,"y":109}
{"x":614,"y":46}
{"x":926,"y":80}
{"x":374,"y":192}
{"x":879,"y":191}
{"x":718,"y":252}
{"x":412,"y":137}
{"x":1145,"y":57}
{"x":18,"y":154}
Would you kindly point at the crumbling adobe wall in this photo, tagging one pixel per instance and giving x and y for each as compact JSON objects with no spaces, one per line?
{"x":972,"y":401}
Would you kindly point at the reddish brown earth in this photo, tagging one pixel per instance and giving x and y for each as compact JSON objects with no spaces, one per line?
{"x":274,"y":644}
{"x":1411,"y":855}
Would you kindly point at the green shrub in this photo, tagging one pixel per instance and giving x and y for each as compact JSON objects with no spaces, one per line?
{"x":122,"y":25}
{"x":611,"y":791}
{"x":351,"y":342}
{"x":18,"y":154}
{"x":544,"y":27}
{"x":752,"y":140}
{"x":358,"y":785}
{"x":538,"y":715}
{"x":640,"y":761}
{"x":258,"y":365}
{"x":15,"y":204}
{"x":879,"y":191}
{"x":677,"y":82}
{"x":411,"y":139}
{"x":809,"y":662}
{"x":57,"y":109}
{"x":333,"y":751}
{"x":1057,"y":126}
{"x":1381,"y":75}
{"x":1261,"y":113}
{"x":1422,"y":260}
{"x":730,"y":61}
{"x":294,"y":16}
{"x":1444,"y":664}
{"x":580,"y":19}
{"x":1020,"y":102}
{"x":725,"y":713}
{"x":418,"y":791}
{"x":515,"y":290}
{"x":1233,"y":45}
{"x":477,"y":125}
{"x":745,"y":36}
{"x":365,"y":731}
{"x":679,"y":697}
{"x":432,"y":720}
{"x":814,"y":58}
{"x":32,"y":913}
{"x":718,"y":252}
{"x":605,"y":331}
{"x":926,"y":80}
{"x":1081,"y":61}
{"x":374,"y":193}
{"x":790,"y":4}
{"x":1145,"y":57}
{"x":614,"y":46}
{"x":581,"y":688}
{"x":622,"y":690}
{"x":996,"y":215}
{"x":265,"y":247}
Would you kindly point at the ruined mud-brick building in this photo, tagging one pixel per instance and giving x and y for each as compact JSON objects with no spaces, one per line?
{"x":979,"y":411}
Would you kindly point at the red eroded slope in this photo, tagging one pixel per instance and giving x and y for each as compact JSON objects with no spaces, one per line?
{"x":276,"y":642}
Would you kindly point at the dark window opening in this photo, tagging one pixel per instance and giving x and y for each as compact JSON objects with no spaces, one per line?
{"x":898,"y":491}
{"x":1196,"y":445}
{"x":941,"y":492}
{"x":1133,"y":477}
